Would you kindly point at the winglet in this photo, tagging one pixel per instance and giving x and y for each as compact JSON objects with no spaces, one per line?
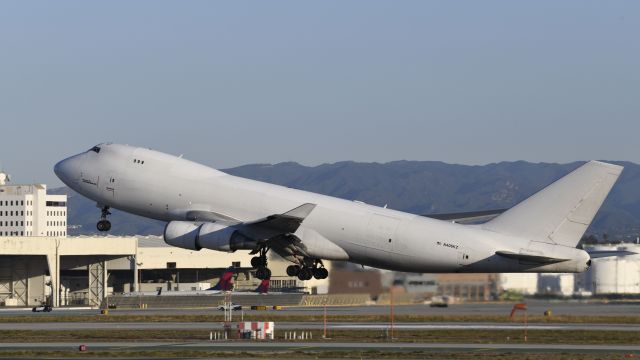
{"x":301,"y":211}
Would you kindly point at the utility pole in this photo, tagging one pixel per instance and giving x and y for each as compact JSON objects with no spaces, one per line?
{"x":139,"y":270}
{"x":391,"y":311}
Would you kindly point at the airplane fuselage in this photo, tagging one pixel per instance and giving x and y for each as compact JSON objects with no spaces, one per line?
{"x":165,"y":187}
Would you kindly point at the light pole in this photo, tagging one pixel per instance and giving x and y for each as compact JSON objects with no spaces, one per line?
{"x":139,"y":270}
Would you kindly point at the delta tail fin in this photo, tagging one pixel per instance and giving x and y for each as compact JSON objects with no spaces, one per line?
{"x":561,"y":212}
{"x":226,"y":281}
{"x":263,"y":288}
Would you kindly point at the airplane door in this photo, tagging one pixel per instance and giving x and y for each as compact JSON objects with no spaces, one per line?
{"x":90,"y":182}
{"x":109,"y":186}
{"x":464,"y":258}
{"x":381,"y":231}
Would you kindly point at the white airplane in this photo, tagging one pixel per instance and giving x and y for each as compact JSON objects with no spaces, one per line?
{"x":206,"y":208}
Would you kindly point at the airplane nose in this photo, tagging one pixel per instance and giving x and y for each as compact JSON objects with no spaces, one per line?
{"x":57,"y":168}
{"x":65,"y":170}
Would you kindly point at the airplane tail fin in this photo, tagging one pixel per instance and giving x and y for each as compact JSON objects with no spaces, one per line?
{"x":561,"y":212}
{"x":263,"y":288}
{"x":226,"y":281}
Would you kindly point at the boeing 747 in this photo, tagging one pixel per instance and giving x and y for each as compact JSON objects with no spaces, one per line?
{"x":207,"y":208}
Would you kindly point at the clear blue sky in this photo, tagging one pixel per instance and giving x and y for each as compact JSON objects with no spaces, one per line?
{"x":231,"y":83}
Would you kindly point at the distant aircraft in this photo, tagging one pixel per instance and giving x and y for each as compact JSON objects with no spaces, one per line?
{"x":206,"y":208}
{"x":224,"y":285}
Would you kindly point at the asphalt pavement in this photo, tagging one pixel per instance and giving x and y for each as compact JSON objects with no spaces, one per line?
{"x":316,"y":346}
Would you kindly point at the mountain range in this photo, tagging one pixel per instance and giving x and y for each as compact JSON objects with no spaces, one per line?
{"x":420,"y":187}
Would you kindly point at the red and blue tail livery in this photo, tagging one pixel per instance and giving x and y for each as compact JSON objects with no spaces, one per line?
{"x":226,"y":281}
{"x":263,"y":288}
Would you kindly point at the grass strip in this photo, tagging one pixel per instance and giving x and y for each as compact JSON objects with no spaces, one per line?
{"x":413,"y":336}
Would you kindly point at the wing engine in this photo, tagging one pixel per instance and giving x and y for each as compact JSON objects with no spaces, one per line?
{"x":214,"y":236}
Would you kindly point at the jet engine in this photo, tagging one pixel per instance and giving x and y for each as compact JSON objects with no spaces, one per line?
{"x":195,"y":236}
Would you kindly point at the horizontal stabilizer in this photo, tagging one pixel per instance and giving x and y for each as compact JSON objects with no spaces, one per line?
{"x":529,"y":258}
{"x":467,"y":217}
{"x":594,"y":254}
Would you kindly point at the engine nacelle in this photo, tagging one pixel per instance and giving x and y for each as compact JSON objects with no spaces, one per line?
{"x":182,"y":234}
{"x":193,"y":236}
{"x":216,"y":237}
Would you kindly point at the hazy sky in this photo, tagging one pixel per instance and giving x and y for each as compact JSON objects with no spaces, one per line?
{"x":231,"y":83}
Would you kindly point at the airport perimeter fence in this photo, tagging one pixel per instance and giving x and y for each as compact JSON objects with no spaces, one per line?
{"x":335,"y":300}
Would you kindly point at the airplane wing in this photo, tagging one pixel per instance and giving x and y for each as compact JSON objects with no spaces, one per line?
{"x":286,"y":223}
{"x":205,"y":215}
{"x":467,"y":217}
{"x":529,"y":258}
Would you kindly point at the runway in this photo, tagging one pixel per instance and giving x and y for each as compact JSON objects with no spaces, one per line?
{"x":536,"y":307}
{"x":315,"y":346}
{"x":207,"y":326}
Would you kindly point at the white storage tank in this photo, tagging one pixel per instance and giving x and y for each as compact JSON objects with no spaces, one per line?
{"x":559,"y":284}
{"x":617,"y":274}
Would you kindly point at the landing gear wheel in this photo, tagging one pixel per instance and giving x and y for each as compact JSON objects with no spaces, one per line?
{"x":256,"y":262}
{"x":263,"y":273}
{"x":305,"y":274}
{"x":320,"y":273}
{"x":293,"y":270}
{"x":103,"y":225}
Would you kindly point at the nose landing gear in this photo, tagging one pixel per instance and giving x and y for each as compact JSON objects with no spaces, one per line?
{"x":104,"y":224}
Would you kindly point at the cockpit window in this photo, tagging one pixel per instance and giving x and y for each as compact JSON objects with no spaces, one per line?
{"x":95,"y":149}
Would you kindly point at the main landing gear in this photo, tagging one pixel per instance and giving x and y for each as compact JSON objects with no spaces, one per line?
{"x":104,"y":224}
{"x":314,"y":270}
{"x":260,"y":264}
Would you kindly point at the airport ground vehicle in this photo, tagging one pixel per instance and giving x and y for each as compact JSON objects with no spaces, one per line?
{"x":234,"y":307}
{"x":439,"y":301}
{"x":42,"y":308}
